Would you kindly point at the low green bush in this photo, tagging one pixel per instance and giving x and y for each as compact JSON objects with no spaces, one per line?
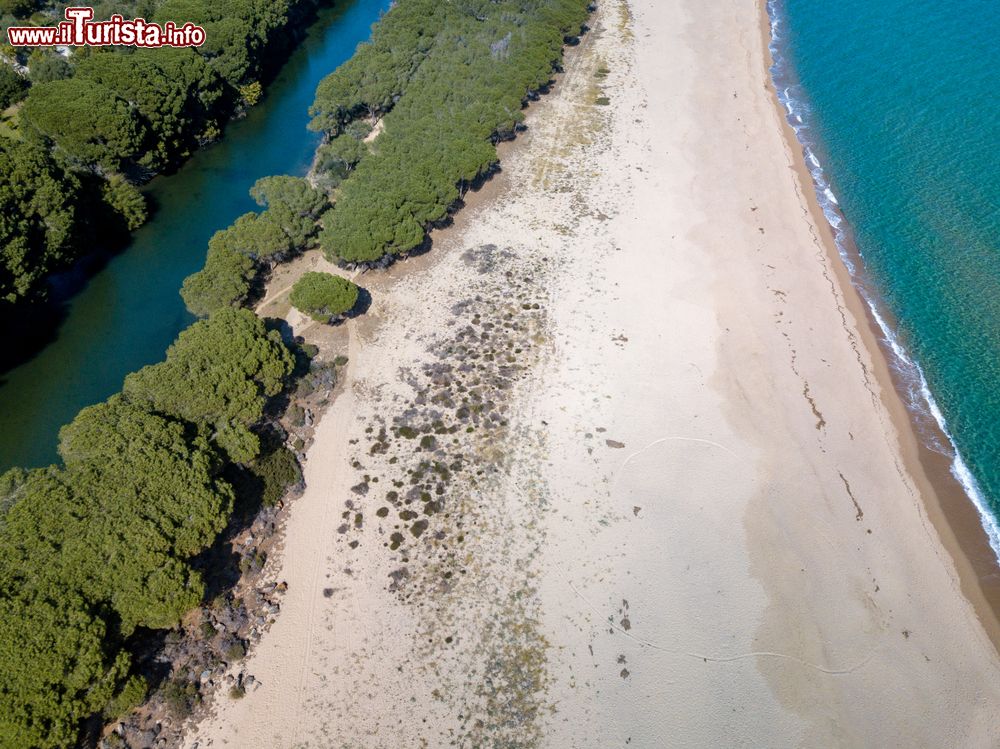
{"x":323,"y":296}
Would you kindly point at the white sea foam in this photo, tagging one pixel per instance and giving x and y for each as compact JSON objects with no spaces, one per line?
{"x":919,"y":398}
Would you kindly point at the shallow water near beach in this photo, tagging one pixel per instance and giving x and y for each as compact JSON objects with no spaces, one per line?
{"x":131,"y":311}
{"x":896,"y":104}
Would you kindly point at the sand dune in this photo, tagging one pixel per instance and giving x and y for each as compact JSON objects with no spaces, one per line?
{"x":656,"y":496}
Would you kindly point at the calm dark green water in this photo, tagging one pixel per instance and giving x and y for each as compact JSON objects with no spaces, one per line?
{"x":896,"y":103}
{"x":131,"y":311}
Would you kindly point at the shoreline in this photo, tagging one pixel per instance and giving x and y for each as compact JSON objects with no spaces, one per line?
{"x":647,"y":529}
{"x":951,"y":510}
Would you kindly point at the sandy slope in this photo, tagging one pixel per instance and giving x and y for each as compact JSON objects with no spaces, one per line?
{"x":673,"y":510}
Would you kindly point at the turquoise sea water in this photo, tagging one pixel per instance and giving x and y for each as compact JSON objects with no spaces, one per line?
{"x":131,"y":311}
{"x":897,"y":105}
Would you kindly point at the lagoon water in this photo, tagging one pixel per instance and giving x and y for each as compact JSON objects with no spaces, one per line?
{"x":897,"y":104}
{"x":131,"y":311}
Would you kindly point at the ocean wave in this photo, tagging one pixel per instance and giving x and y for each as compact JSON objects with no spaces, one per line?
{"x":919,"y":398}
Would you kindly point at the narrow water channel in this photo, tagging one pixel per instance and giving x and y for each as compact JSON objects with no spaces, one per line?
{"x":131,"y":311}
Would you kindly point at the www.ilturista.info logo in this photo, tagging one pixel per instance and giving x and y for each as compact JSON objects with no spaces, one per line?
{"x":79,"y":30}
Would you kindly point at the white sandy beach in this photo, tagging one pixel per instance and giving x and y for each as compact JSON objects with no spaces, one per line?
{"x":675,"y":510}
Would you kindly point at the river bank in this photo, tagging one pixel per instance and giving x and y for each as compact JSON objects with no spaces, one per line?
{"x":131,"y":310}
{"x":611,"y":465}
{"x":97,"y":229}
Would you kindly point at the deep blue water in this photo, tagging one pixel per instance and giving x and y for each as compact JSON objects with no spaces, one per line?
{"x":897,"y":102}
{"x":131,"y":311}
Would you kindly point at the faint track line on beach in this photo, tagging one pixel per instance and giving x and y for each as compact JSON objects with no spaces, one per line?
{"x":700,"y":440}
{"x":721,"y":659}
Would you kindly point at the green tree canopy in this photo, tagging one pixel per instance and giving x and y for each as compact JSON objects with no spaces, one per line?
{"x":45,"y":65}
{"x":336,"y":159}
{"x":345,"y":149}
{"x":141,"y":465}
{"x":10,"y":489}
{"x":172,"y":90}
{"x":257,"y":236}
{"x":379,"y":71}
{"x":38,"y":220}
{"x":59,"y":661}
{"x":125,"y":200}
{"x":218,"y":376}
{"x":134,"y":502}
{"x":57,"y":667}
{"x":62,"y":535}
{"x":34,"y":555}
{"x":86,"y":121}
{"x":451,"y":80}
{"x":237,"y":32}
{"x":293,"y":205}
{"x":18,"y":8}
{"x":12,"y":86}
{"x":94,"y":549}
{"x":234,"y":253}
{"x":323,"y":296}
{"x":134,"y":112}
{"x":152,"y":501}
{"x":225,"y":280}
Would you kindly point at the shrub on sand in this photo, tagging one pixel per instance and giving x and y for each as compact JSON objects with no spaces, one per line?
{"x":323,"y":296}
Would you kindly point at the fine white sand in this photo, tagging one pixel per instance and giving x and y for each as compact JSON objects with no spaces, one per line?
{"x":677,"y":513}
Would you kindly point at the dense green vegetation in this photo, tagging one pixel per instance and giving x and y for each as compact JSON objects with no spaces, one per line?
{"x":46,"y":65}
{"x":122,"y":115}
{"x":255,"y":240}
{"x":218,"y":376}
{"x":101,"y":546}
{"x":19,"y":8}
{"x":338,"y":157}
{"x":57,"y":666}
{"x":12,"y":86}
{"x":323,"y":296}
{"x":38,"y":217}
{"x":225,"y":281}
{"x":89,"y":124}
{"x":451,"y":80}
{"x":293,"y":206}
